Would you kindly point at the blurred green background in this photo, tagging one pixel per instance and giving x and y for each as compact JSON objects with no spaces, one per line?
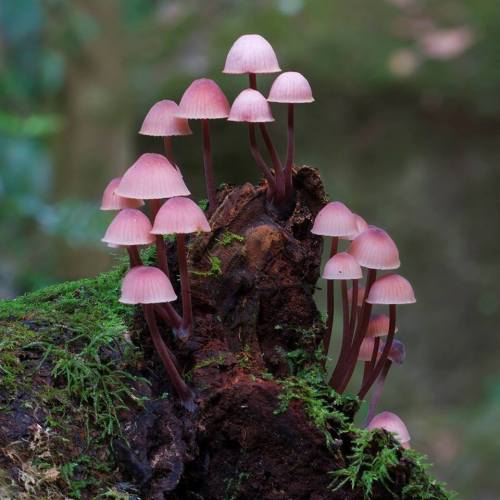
{"x":405,"y":130}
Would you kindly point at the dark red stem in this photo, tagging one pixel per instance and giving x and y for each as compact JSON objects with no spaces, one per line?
{"x":169,"y":149}
{"x":208,"y":166}
{"x":187,"y":311}
{"x":385,"y":353}
{"x":354,"y":307}
{"x":290,"y":151}
{"x":134,"y":257}
{"x":258,"y":158}
{"x":182,"y":390}
{"x":330,"y":306}
{"x":278,"y":169}
{"x":252,"y":80}
{"x":161,"y":247}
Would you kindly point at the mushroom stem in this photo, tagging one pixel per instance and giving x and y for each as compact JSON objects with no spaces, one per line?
{"x":377,"y":391}
{"x":385,"y":353}
{"x":169,"y":149}
{"x":373,"y":360}
{"x":258,"y":158}
{"x":133,"y":255}
{"x":346,"y":335}
{"x":290,"y":151}
{"x":187,"y":311}
{"x":161,"y":247}
{"x":354,"y":307}
{"x":330,"y":306}
{"x":170,"y":316}
{"x":252,"y":80}
{"x":208,"y":166}
{"x":183,"y":391}
{"x":361,"y":328}
{"x":278,"y":169}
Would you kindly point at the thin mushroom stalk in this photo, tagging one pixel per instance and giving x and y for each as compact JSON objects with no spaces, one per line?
{"x":169,"y":149}
{"x":208,"y":166}
{"x":187,"y":310}
{"x":377,"y":391}
{"x":133,"y":255}
{"x":183,"y":391}
{"x":385,"y":354}
{"x":290,"y":151}
{"x":330,"y":298}
{"x":278,"y":169}
{"x":259,"y":160}
{"x":161,"y":247}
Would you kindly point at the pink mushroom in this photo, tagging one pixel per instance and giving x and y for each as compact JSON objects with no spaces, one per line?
{"x":112,"y":201}
{"x":181,"y":216}
{"x":204,"y":100}
{"x":390,"y":422}
{"x":148,"y":286}
{"x":290,"y":88}
{"x":161,"y":121}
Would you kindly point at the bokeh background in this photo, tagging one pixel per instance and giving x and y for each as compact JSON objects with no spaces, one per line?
{"x":405,"y":130}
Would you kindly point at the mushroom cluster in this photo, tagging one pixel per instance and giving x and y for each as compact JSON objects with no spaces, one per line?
{"x":363,"y":333}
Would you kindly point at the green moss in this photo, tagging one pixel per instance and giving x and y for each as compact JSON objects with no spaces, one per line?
{"x":215,"y":268}
{"x":228,"y":238}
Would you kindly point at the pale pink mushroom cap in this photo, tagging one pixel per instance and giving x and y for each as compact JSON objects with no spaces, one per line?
{"x":251,"y":54}
{"x":391,"y":423}
{"x":375,"y":249}
{"x":111,"y":201}
{"x":250,"y":106}
{"x":334,"y":219}
{"x":161,"y":121}
{"x":203,"y":99}
{"x":361,"y":225}
{"x":391,"y":289}
{"x":146,"y":285}
{"x":291,"y":87}
{"x":180,"y":216}
{"x":152,"y":177}
{"x":129,"y":227}
{"x":361,"y":294}
{"x":342,"y":266}
{"x":366,"y":349}
{"x":378,"y":326}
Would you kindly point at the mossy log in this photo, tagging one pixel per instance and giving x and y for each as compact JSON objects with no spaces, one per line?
{"x":87,"y":411}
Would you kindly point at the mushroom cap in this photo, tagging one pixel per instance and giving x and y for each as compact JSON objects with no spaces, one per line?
{"x":146,"y":285}
{"x":180,"y":216}
{"x":152,"y":177}
{"x":251,"y":54}
{"x":161,"y":121}
{"x":375,"y":249}
{"x":334,"y":219}
{"x":391,"y":423}
{"x":361,"y":295}
{"x":397,"y":354}
{"x":250,"y":106}
{"x":342,"y":266}
{"x":129,"y":227}
{"x":378,"y":326}
{"x":291,"y":87}
{"x":361,"y":225}
{"x":112,"y":201}
{"x":391,"y":289}
{"x":203,"y":99}
{"x":366,"y":349}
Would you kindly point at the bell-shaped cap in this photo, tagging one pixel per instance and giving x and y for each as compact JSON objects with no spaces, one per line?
{"x":375,"y":249}
{"x":390,"y":422}
{"x":251,"y":54}
{"x":112,"y":201}
{"x":250,"y":106}
{"x":361,"y":295}
{"x":366,"y":349}
{"x":129,"y":227}
{"x":146,"y":285}
{"x":334,"y":219}
{"x":161,"y":121}
{"x":203,"y":99}
{"x":361,"y":225}
{"x":152,"y":177}
{"x":342,"y":266}
{"x":180,"y":216}
{"x":391,"y":289}
{"x":292,"y":88}
{"x":378,"y":326}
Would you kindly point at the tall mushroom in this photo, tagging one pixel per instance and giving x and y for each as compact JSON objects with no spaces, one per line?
{"x":152,"y":177}
{"x":204,"y":100}
{"x":334,"y":220}
{"x":391,"y":290}
{"x":148,"y":286}
{"x":290,"y":88}
{"x":390,"y":422}
{"x":181,"y":216}
{"x":343,"y":267}
{"x":161,"y":121}
{"x":251,"y":107}
{"x":251,"y":54}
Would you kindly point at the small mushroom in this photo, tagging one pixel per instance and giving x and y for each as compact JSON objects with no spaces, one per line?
{"x":112,"y":201}
{"x":390,"y":422}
